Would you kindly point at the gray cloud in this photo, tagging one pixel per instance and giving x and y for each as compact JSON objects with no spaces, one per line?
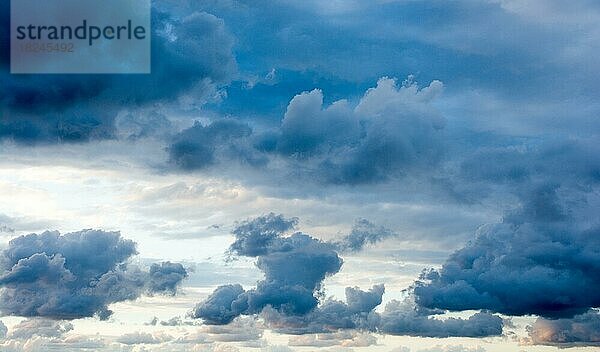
{"x":76,"y":275}
{"x":256,"y":237}
{"x":223,"y":305}
{"x":244,"y":329}
{"x":452,"y":348}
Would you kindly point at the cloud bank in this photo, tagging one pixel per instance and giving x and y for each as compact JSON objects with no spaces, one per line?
{"x":392,"y":130}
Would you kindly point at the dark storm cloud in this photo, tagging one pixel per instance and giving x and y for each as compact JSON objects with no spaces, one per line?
{"x":76,"y":275}
{"x":538,"y":260}
{"x":187,"y":52}
{"x":581,"y":330}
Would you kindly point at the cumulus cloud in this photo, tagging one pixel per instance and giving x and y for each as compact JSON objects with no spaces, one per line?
{"x":254,"y":238}
{"x":582,"y":329}
{"x":76,"y":275}
{"x":294,"y":268}
{"x":241,"y":330}
{"x":223,"y":305}
{"x":538,"y":260}
{"x":174,"y":321}
{"x":307,"y":127}
{"x":188,"y":51}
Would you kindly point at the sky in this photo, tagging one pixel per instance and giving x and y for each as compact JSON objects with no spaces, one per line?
{"x":387,"y":175}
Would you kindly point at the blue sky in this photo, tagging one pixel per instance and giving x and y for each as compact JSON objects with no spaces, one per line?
{"x":394,"y":175}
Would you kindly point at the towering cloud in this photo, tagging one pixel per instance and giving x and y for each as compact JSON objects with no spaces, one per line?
{"x":76,"y":275}
{"x":294,"y":268}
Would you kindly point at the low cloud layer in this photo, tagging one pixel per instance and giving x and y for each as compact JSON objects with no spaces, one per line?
{"x":289,"y":297}
{"x":76,"y":275}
